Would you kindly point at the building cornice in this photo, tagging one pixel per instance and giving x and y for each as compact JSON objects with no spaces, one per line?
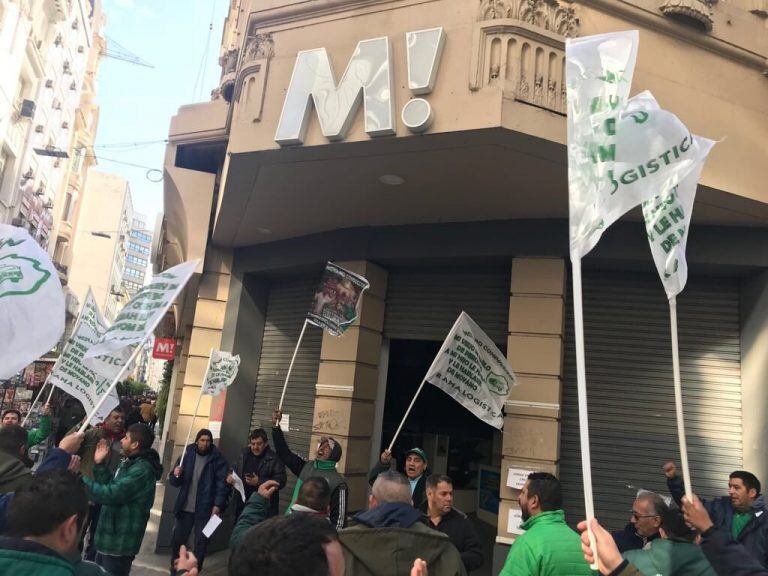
{"x":302,"y":11}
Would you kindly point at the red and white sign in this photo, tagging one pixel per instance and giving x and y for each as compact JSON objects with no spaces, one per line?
{"x":164,"y":349}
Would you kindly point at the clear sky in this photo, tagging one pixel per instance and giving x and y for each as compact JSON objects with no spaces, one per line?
{"x":137,"y":102}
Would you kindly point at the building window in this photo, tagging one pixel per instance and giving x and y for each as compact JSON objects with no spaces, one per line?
{"x":141,"y":236}
{"x":68,"y":208}
{"x":136,"y":260}
{"x":133,"y":273}
{"x":138,"y":248}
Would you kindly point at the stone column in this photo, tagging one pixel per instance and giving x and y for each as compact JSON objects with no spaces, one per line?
{"x":531,"y":439}
{"x":347,"y":381}
{"x":205,"y":334}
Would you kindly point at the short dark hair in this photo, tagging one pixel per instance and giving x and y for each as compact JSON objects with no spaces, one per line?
{"x":142,"y":434}
{"x":258,"y":433}
{"x":315,"y":493}
{"x":673,"y":523}
{"x":12,"y":438}
{"x":547,"y":488}
{"x":434,"y":479}
{"x":12,"y":411}
{"x":48,"y":500}
{"x":203,"y":432}
{"x":284,"y":546}
{"x":749,"y":479}
{"x":117,"y":408}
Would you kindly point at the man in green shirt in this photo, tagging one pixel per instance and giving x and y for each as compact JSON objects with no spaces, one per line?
{"x":36,"y":435}
{"x":548,"y":547}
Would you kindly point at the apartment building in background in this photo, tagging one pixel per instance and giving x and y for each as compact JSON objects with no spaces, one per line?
{"x":101,"y":242}
{"x":138,"y":249}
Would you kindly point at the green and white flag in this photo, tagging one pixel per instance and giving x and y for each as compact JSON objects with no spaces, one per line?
{"x":667,"y":221}
{"x":31,"y":301}
{"x":621,"y":151}
{"x":471,"y":370}
{"x":138,"y":319}
{"x":222,"y":371}
{"x":72,"y":376}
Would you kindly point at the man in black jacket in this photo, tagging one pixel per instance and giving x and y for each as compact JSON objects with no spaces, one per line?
{"x":202,"y":479}
{"x":257,"y":464}
{"x":440,"y":515}
{"x":725,"y":554}
{"x":324,"y":465}
{"x":644,"y":524}
{"x":741,"y":515}
{"x":415,"y":470}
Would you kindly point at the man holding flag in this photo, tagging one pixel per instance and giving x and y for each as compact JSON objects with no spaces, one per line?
{"x":324,"y":465}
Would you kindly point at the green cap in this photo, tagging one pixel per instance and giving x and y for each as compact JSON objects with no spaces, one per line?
{"x":419,"y":452}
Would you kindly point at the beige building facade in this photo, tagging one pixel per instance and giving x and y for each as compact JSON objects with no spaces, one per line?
{"x":447,"y":189}
{"x":101,"y":243}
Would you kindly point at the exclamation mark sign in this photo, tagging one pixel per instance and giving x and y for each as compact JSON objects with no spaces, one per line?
{"x":425,"y":47}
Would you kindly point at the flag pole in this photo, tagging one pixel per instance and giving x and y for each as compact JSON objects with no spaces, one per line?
{"x":679,"y":398}
{"x":53,"y":387}
{"x":34,"y":403}
{"x":197,"y":407}
{"x":55,"y":365}
{"x":413,"y":401}
{"x":581,"y":385}
{"x":429,"y":371}
{"x":290,"y":367}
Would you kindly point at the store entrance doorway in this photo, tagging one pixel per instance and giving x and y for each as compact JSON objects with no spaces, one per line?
{"x":456,"y":441}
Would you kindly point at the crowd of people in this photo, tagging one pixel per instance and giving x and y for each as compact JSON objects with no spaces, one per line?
{"x":84,"y":511}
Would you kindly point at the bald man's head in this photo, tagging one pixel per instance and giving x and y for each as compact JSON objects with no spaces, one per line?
{"x":390,"y":487}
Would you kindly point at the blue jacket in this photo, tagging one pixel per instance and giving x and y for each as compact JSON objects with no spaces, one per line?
{"x":212,"y":490}
{"x":754,"y":536}
{"x":728,"y":556}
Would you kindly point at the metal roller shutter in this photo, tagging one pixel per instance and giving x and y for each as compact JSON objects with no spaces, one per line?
{"x":630,"y":391}
{"x":423,"y":304}
{"x":287,"y":307}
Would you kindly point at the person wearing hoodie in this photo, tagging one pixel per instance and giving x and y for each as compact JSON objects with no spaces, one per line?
{"x":113,"y":431}
{"x":36,"y":435}
{"x":742,"y":514}
{"x":674,"y":554}
{"x":389,"y":537}
{"x":324,"y":465}
{"x":125,"y":497}
{"x":202,"y":479}
{"x":314,"y":498}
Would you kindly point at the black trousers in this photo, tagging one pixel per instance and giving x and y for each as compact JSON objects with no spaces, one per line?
{"x":183,"y":526}
{"x":90,"y":537}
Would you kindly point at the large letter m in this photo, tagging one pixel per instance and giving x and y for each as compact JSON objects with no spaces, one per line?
{"x":368,"y":77}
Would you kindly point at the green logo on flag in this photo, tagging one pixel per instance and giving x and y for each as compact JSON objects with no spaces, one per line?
{"x":497,"y":384}
{"x":21,"y":276}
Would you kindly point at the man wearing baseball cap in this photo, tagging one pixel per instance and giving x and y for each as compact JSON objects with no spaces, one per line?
{"x":415,"y":470}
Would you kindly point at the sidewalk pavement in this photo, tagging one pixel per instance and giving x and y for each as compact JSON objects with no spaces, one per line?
{"x":147,"y":563}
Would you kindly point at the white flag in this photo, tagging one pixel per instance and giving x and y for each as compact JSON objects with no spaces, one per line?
{"x":621,"y":152}
{"x":72,"y":376}
{"x":31,"y":301}
{"x":667,"y":221}
{"x":222,"y":371}
{"x":471,"y":370}
{"x":138,"y":319}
